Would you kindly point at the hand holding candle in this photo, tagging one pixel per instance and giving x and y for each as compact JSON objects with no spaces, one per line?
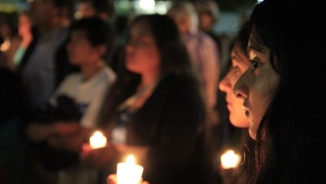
{"x":229,"y":160}
{"x":129,"y":172}
{"x":97,"y":140}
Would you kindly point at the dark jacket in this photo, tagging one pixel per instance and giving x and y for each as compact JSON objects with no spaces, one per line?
{"x":171,"y":123}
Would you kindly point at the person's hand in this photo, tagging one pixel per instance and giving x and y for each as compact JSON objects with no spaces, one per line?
{"x":71,"y":139}
{"x":97,"y":158}
{"x":112,"y":179}
{"x":37,"y":131}
{"x":66,"y":127}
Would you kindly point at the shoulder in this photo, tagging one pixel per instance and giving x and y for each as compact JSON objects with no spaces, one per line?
{"x":205,"y":38}
{"x":110,"y":74}
{"x":72,"y":78}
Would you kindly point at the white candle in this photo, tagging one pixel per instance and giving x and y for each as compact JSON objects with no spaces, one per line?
{"x":229,"y":160}
{"x":97,"y":140}
{"x":128,"y":172}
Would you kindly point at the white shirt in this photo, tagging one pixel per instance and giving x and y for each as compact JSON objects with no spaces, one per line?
{"x":88,"y":95}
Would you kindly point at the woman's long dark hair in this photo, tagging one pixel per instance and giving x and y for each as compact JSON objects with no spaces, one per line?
{"x":289,"y":147}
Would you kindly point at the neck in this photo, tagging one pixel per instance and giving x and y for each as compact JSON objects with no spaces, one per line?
{"x":92,"y":69}
{"x":148,"y":79}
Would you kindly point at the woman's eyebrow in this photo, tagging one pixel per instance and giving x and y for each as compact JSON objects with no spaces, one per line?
{"x":249,"y":48}
{"x":256,"y":48}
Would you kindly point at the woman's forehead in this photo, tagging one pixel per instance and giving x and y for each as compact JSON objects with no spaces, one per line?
{"x":140,"y":27}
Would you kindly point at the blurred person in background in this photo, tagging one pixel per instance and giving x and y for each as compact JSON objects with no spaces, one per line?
{"x":106,"y":11}
{"x":159,"y":115}
{"x":7,"y":33}
{"x":86,"y":49}
{"x":201,"y":47}
{"x":45,"y":62}
{"x":205,"y":57}
{"x":208,"y":16}
{"x":21,"y":41}
{"x":43,"y":66}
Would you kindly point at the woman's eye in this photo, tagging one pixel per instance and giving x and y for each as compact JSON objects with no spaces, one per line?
{"x":255,"y":64}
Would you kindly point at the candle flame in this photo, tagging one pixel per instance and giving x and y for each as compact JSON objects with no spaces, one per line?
{"x":229,"y":159}
{"x":98,"y":134}
{"x":131,"y":159}
{"x":97,"y":140}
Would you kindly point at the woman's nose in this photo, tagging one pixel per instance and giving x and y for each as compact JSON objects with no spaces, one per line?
{"x":241,"y":88}
{"x":225,"y":84}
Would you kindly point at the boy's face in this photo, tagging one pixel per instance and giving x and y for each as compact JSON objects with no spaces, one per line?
{"x":81,"y":51}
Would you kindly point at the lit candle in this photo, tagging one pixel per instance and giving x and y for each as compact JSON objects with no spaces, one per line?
{"x":129,"y":172}
{"x":229,"y":160}
{"x":97,"y":140}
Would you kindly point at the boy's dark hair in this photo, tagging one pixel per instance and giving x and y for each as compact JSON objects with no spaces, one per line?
{"x":102,"y":6}
{"x":97,"y":30}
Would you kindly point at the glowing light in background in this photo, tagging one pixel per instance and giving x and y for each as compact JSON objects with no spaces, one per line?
{"x":162,"y":6}
{"x":147,"y":4}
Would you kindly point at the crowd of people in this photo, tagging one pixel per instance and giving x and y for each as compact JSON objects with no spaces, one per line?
{"x":153,"y":91}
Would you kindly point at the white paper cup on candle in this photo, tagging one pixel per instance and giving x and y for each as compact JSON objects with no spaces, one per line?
{"x":97,"y":140}
{"x":128,"y":172}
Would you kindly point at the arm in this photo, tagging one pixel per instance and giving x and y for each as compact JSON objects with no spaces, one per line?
{"x":38,"y":131}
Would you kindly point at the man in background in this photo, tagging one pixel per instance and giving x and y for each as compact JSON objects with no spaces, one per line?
{"x":45,"y":62}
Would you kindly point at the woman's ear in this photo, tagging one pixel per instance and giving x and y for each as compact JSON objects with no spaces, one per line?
{"x":102,"y":50}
